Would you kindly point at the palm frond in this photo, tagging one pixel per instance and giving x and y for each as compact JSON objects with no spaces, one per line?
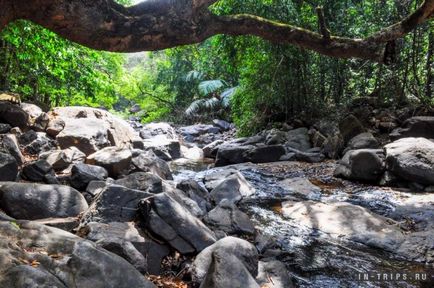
{"x":227,"y":95}
{"x":194,"y":76}
{"x":210,"y":86}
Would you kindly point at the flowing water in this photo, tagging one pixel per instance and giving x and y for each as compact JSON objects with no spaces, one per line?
{"x":314,"y":258}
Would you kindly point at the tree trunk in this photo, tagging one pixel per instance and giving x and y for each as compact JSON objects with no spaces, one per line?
{"x":160,"y":24}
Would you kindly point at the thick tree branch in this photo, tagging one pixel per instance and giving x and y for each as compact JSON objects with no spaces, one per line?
{"x":160,"y":24}
{"x":322,"y":23}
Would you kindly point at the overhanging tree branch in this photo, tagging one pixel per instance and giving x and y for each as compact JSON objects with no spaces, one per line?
{"x":160,"y":24}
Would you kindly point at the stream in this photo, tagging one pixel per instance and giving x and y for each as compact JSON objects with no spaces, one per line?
{"x":314,"y":258}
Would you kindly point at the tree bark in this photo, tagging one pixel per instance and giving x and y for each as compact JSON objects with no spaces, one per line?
{"x":160,"y":24}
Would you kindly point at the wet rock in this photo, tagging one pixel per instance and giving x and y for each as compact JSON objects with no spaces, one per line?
{"x":185,"y":225}
{"x":147,"y":161}
{"x":151,"y":130}
{"x":39,"y":171}
{"x":80,"y":263}
{"x":13,"y":115}
{"x":364,"y":165}
{"x":302,"y":187}
{"x":419,"y":126}
{"x":115,"y":204}
{"x":350,"y":127}
{"x":363,"y":141}
{"x":91,"y":129}
{"x":5,"y":128}
{"x":233,"y":188}
{"x":125,"y":240}
{"x":346,"y":220}
{"x":62,"y":159}
{"x":226,"y":270}
{"x":241,"y":249}
{"x":223,"y":125}
{"x":229,"y":219}
{"x":82,"y":174}
{"x":8,"y":167}
{"x":115,"y":160}
{"x":210,"y":150}
{"x":273,"y":274}
{"x":142,"y":181}
{"x":37,"y":201}
{"x":411,"y":159}
{"x":55,"y":126}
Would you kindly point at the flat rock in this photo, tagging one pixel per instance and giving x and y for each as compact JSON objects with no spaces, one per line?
{"x":115,"y":160}
{"x":233,"y":188}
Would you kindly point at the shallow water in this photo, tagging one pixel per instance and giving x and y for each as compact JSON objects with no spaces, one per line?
{"x":314,"y":258}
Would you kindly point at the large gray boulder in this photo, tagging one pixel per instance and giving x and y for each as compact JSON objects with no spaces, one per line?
{"x":173,"y":222}
{"x":36,"y":201}
{"x":14,"y":115}
{"x":147,"y":161}
{"x":152,"y":130}
{"x":68,"y":261}
{"x":273,"y":274}
{"x":298,"y":139}
{"x":243,"y":250}
{"x":233,"y":188}
{"x":115,"y":204}
{"x":142,"y":181}
{"x":411,"y":159}
{"x":8,"y":167}
{"x":350,"y":127}
{"x":115,"y":160}
{"x":9,"y":145}
{"x":419,"y":126}
{"x":91,"y":129}
{"x":363,"y":141}
{"x":82,"y":174}
{"x":226,"y":270}
{"x":232,"y":154}
{"x":62,"y":159}
{"x":125,"y":240}
{"x":363,"y":165}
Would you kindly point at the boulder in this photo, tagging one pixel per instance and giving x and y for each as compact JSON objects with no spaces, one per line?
{"x":210,"y":150}
{"x":5,"y":128}
{"x":229,"y":219}
{"x":164,"y":148}
{"x":143,"y":181}
{"x":363,"y":141}
{"x":412,"y":159}
{"x":197,"y":193}
{"x":55,"y":126}
{"x":180,"y":224}
{"x":147,"y":161}
{"x":241,"y":249}
{"x":350,"y":127}
{"x":222,"y":124}
{"x":36,"y":143}
{"x":13,"y":115}
{"x":41,"y":122}
{"x":68,"y":261}
{"x":233,"y":188}
{"x":226,"y":270}
{"x":264,"y":154}
{"x":298,"y":139}
{"x":273,"y":274}
{"x":8,"y":167}
{"x":300,"y":187}
{"x":232,"y":154}
{"x":363,"y":165}
{"x":333,"y":146}
{"x":125,"y":240}
{"x":115,"y":160}
{"x":34,"y":111}
{"x":115,"y":204}
{"x":38,"y":201}
{"x":419,"y":126}
{"x":9,"y":145}
{"x":62,"y":159}
{"x":82,"y":174}
{"x":152,"y":130}
{"x":39,"y":171}
{"x":91,"y":129}
{"x":189,"y":132}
